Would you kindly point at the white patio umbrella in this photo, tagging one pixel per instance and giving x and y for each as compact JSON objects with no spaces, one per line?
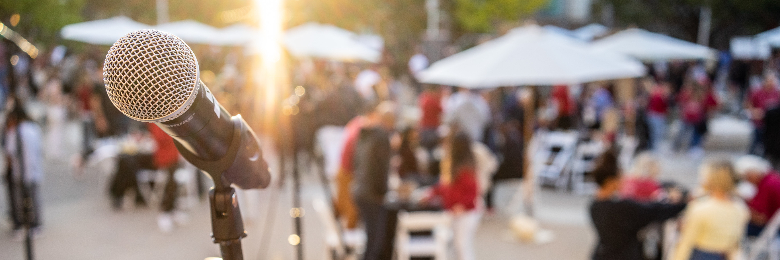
{"x":328,"y":42}
{"x":101,"y":32}
{"x":648,"y":46}
{"x":590,"y":31}
{"x":237,"y":34}
{"x":771,"y":37}
{"x":192,"y":31}
{"x":529,"y":55}
{"x":749,"y":48}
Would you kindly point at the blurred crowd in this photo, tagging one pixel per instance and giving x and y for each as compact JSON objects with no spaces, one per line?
{"x":409,"y":146}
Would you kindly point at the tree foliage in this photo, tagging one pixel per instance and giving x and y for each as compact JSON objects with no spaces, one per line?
{"x":482,"y":16}
{"x":41,"y":20}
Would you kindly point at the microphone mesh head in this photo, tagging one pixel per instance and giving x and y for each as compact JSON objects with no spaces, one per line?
{"x":151,"y":76}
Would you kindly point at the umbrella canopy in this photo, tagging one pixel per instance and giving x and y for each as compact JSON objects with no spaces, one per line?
{"x":328,"y":42}
{"x":749,"y":48}
{"x":529,"y":56}
{"x":590,"y":31}
{"x":237,"y":34}
{"x":648,"y":46}
{"x":771,"y":37}
{"x":192,"y":32}
{"x":101,"y":32}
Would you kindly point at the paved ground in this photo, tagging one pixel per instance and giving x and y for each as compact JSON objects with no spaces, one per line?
{"x":79,"y":223}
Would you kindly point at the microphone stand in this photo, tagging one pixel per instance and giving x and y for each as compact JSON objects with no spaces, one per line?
{"x":227,"y":226}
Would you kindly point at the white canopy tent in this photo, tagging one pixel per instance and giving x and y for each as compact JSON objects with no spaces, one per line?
{"x":648,"y":46}
{"x":529,"y":55}
{"x":191,"y":31}
{"x":328,"y":42}
{"x":101,"y":32}
{"x":771,"y":37}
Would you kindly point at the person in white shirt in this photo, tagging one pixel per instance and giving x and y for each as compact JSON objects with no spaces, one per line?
{"x":24,"y":161}
{"x":469,"y":111}
{"x":713,"y":225}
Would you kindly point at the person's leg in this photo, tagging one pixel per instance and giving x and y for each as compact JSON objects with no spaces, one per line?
{"x":657,"y":125}
{"x":14,"y":203}
{"x":369,"y":215}
{"x":464,"y":229}
{"x":169,"y":194}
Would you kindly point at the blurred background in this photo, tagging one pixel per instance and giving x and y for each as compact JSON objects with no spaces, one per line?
{"x":400,"y":129}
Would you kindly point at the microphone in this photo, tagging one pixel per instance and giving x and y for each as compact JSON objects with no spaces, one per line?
{"x":152,"y":76}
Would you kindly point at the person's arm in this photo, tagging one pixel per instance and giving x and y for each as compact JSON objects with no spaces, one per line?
{"x":646,"y":213}
{"x":692,"y":225}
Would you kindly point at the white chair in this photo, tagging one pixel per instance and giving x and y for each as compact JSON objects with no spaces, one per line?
{"x":554,"y":156}
{"x":338,"y":246}
{"x":584,"y":162}
{"x":407,"y":246}
{"x":767,"y":243}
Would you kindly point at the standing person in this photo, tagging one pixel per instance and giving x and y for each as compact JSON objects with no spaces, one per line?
{"x":24,"y":156}
{"x":566,"y":105}
{"x":371,"y":165}
{"x":459,"y":190}
{"x":694,"y":113}
{"x":657,"y":107}
{"x":430,"y":105}
{"x":617,"y":221}
{"x":56,"y":115}
{"x":713,"y":226}
{"x":765,"y":204}
{"x":761,"y":100}
{"x":164,"y":157}
{"x":469,"y":111}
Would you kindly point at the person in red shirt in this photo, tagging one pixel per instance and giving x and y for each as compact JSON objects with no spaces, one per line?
{"x":766,"y":201}
{"x":641,"y":184}
{"x":458,"y":191}
{"x":166,"y":157}
{"x":762,"y":100}
{"x":567,"y":107}
{"x":344,"y":204}
{"x":431,"y":107}
{"x":657,"y":107}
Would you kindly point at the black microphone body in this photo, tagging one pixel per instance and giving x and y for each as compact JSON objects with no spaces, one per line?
{"x":205,"y":134}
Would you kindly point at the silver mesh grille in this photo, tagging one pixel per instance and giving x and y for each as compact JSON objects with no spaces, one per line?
{"x":151,"y":76}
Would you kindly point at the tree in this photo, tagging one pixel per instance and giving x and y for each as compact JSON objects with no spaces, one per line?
{"x":483,"y":16}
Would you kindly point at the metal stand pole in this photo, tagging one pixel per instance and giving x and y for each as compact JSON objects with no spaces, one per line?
{"x":296,"y":212}
{"x":226,"y":223}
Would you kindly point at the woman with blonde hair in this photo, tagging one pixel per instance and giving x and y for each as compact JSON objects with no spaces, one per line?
{"x":713,"y":225}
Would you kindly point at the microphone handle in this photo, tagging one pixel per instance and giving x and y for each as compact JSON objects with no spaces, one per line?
{"x":205,"y":128}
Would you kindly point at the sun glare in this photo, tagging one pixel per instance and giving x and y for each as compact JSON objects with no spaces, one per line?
{"x":272,"y":74}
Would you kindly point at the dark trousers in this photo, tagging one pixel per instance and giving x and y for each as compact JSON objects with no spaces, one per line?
{"x":15,"y":203}
{"x":375,"y":219}
{"x":125,"y":179}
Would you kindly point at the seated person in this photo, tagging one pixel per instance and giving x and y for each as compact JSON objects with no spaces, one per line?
{"x":641,"y":184}
{"x":766,"y":202}
{"x":617,"y":221}
{"x":165,"y":156}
